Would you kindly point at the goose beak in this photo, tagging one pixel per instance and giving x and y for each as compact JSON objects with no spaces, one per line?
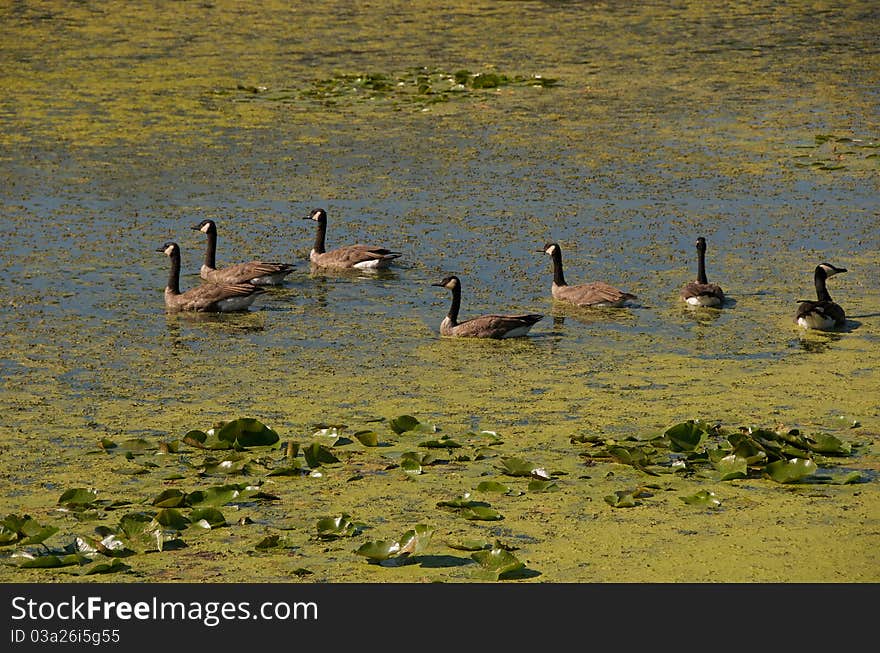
{"x":160,"y":249}
{"x":196,"y":227}
{"x":437,"y":284}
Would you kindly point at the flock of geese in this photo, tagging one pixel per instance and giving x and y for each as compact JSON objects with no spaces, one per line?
{"x":235,"y":287}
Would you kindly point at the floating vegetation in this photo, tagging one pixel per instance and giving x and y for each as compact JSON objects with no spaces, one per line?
{"x":702,"y":499}
{"x":175,"y":516}
{"x":627,"y":498}
{"x":470,"y":509}
{"x":411,"y":543}
{"x":417,"y":88}
{"x":332,"y":528}
{"x":697,"y":447}
{"x":500,"y":563}
{"x":830,"y":152}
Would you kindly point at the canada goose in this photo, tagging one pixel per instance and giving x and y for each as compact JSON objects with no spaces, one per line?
{"x":208,"y":297}
{"x":258,"y":273}
{"x":484,"y":326}
{"x":822,"y":314}
{"x":597,"y":293}
{"x":701,"y":292}
{"x":362,"y":257}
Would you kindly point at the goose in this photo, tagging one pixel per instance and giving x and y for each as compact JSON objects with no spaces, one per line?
{"x":701,"y":292}
{"x":484,"y":326}
{"x":208,"y":297}
{"x":597,"y":293}
{"x":362,"y":257}
{"x":822,"y":314}
{"x":258,"y":273}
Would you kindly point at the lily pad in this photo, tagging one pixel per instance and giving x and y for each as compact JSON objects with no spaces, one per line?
{"x":169,"y":499}
{"x":408,"y":423}
{"x":520,"y":467}
{"x":442,"y":443}
{"x":790,"y":471}
{"x":78,"y":497}
{"x":732,"y":466}
{"x":112,"y":566}
{"x":367,"y":438}
{"x":331,"y":528}
{"x":379,"y":551}
{"x":499,"y":562}
{"x":622,"y":499}
{"x":480,"y":513}
{"x":247,"y":432}
{"x":318,"y":454}
{"x":828,"y":444}
{"x":415,"y":540}
{"x":702,"y":499}
{"x":686,"y":436}
{"x":213,"y":517}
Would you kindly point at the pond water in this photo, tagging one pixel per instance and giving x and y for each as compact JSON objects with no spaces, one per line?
{"x":621,"y":131}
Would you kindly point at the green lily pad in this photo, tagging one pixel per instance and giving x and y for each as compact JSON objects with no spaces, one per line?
{"x":331,"y":528}
{"x":112,"y":566}
{"x":415,"y":540}
{"x":171,"y":518}
{"x":379,"y":551}
{"x":317,"y":454}
{"x":231,"y":463}
{"x":790,"y":471}
{"x":622,"y":499}
{"x":520,"y":467}
{"x":470,"y":545}
{"x":732,"y":466}
{"x":702,"y":499}
{"x":499,"y":562}
{"x":367,"y":438}
{"x":247,"y":432}
{"x":408,"y":423}
{"x":169,"y":499}
{"x":828,"y":444}
{"x":76,"y":497}
{"x":480,"y":513}
{"x":47,"y":561}
{"x":538,"y":485}
{"x":686,"y":436}
{"x":410,"y":465}
{"x":213,"y":517}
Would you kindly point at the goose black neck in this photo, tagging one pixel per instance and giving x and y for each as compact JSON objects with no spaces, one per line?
{"x":319,"y":236}
{"x":211,"y":250}
{"x":558,"y":276}
{"x":174,"y":274}
{"x":821,"y":290}
{"x":456,"y":305}
{"x":701,"y":265}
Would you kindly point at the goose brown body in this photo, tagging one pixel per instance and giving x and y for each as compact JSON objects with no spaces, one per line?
{"x":483,"y":326}
{"x":207,"y":297}
{"x":358,"y":256}
{"x":596,"y":293}
{"x":258,"y":273}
